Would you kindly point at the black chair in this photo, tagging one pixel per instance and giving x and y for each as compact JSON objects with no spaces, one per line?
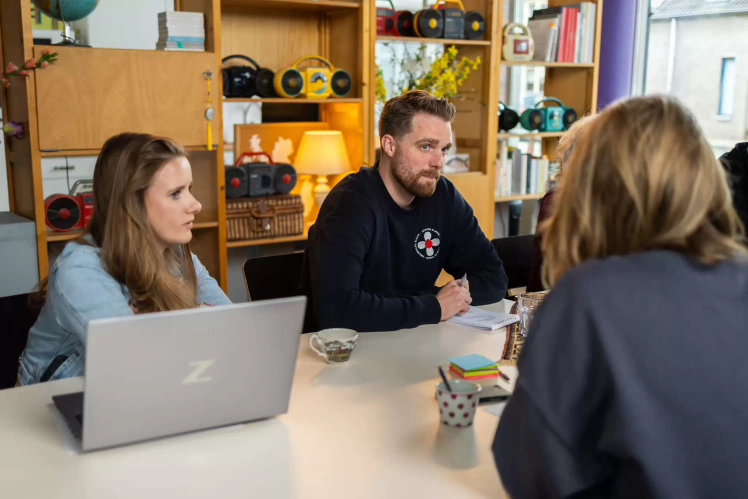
{"x":516,"y":254}
{"x":277,"y":276}
{"x":17,"y":318}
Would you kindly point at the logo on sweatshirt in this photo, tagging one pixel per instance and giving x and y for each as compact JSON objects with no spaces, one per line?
{"x":427,"y":243}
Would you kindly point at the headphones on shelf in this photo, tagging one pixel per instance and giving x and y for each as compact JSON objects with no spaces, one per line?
{"x":247,"y":81}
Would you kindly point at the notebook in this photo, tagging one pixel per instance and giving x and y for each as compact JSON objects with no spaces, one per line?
{"x":484,"y":320}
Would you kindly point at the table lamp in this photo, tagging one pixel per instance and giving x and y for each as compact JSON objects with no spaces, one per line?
{"x":322,"y":153}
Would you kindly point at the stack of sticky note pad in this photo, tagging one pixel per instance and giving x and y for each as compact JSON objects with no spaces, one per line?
{"x":474,"y":367}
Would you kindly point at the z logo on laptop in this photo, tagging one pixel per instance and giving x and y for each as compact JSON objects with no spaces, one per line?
{"x":199,"y":368}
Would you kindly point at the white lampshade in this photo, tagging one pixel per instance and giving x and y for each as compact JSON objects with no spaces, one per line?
{"x":322,"y":152}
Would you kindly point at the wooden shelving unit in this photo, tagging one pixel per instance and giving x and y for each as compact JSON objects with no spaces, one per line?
{"x":76,"y":86}
{"x":476,"y":125}
{"x":575,"y":84}
{"x":276,"y":33}
{"x":270,"y":240}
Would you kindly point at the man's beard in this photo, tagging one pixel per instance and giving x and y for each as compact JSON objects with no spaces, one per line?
{"x":410,"y":180}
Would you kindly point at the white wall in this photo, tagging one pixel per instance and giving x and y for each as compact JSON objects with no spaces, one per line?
{"x":120,"y":24}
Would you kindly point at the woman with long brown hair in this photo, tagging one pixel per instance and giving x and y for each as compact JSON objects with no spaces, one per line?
{"x":135,"y":257}
{"x":632,"y":379}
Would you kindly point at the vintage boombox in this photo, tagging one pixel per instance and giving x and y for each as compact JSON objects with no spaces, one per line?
{"x":313,"y":82}
{"x":247,"y":81}
{"x":518,"y":43}
{"x":254,"y":179}
{"x":64,"y":213}
{"x":442,"y":21}
{"x":549,"y":118}
{"x":391,"y":22}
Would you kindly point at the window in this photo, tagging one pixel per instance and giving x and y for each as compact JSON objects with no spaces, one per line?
{"x":727,"y":88}
{"x":687,"y":51}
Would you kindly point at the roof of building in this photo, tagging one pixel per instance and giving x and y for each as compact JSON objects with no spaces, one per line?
{"x":697,"y":8}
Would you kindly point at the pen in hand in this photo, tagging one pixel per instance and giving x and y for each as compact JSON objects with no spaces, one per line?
{"x":463,"y":281}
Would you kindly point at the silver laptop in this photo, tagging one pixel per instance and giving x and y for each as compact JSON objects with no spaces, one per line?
{"x":153,"y":375}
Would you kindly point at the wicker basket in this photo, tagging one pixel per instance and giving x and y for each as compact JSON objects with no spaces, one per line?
{"x":263,"y":217}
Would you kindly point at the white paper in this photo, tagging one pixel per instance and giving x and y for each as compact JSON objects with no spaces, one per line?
{"x":484,"y":320}
{"x":495,"y":409}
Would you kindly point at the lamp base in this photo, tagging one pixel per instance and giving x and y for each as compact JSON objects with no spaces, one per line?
{"x":321,"y":190}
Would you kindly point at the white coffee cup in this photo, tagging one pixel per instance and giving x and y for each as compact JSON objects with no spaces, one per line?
{"x":335,"y":345}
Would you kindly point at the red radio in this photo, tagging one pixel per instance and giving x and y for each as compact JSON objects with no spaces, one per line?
{"x":386,"y":20}
{"x":64,"y":213}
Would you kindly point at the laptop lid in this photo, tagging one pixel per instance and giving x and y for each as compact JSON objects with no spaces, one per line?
{"x":160,"y":374}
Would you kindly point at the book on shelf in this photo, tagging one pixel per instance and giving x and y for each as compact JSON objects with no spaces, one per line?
{"x":519,"y":173}
{"x":181,"y":31}
{"x":564,"y":34}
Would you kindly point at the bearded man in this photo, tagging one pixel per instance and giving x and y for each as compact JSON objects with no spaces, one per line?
{"x":384,"y":234}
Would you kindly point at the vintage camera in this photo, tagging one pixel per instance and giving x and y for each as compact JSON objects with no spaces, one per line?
{"x":549,"y":118}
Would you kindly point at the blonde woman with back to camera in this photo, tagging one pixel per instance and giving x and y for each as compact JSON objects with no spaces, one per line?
{"x":632,"y":380}
{"x":134,"y":259}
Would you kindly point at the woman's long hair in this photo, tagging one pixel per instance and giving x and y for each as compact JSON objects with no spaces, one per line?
{"x":157,"y":280}
{"x":642,"y":177}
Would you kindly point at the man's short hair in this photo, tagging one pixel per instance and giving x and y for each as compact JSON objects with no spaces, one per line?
{"x":397,"y":116}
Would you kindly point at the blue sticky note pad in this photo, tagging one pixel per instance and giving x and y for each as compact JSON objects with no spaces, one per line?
{"x":472,"y":362}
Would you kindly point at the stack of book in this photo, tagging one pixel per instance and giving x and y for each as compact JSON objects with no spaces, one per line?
{"x":474,"y":367}
{"x":564,"y":34}
{"x":521,"y":173}
{"x":182,"y":31}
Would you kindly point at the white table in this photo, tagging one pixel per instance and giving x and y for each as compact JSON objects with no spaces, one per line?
{"x":366,"y":429}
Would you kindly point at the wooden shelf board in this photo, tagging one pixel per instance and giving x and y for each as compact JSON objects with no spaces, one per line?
{"x":299,"y":100}
{"x":295,"y":5}
{"x":441,"y":41}
{"x":269,"y":240}
{"x":95,"y":152}
{"x":518,"y":197}
{"x":464,"y":174}
{"x":53,"y":236}
{"x":578,"y":65}
{"x":70,"y":153}
{"x":204,"y":225}
{"x":531,"y":135}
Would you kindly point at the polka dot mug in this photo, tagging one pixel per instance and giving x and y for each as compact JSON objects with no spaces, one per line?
{"x":458,"y":407}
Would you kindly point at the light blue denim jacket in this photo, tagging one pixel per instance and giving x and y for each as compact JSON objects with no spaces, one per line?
{"x":80,"y":290}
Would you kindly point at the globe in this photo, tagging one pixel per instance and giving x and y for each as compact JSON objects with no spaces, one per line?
{"x":66,"y":10}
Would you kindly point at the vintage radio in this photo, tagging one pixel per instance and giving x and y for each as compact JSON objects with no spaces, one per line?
{"x":253,"y":178}
{"x":247,"y":81}
{"x":518,"y":43}
{"x":549,"y":118}
{"x":64,"y":213}
{"x":313,"y":82}
{"x":386,"y":20}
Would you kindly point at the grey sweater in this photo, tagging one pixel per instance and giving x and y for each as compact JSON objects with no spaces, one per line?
{"x":633,"y":383}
